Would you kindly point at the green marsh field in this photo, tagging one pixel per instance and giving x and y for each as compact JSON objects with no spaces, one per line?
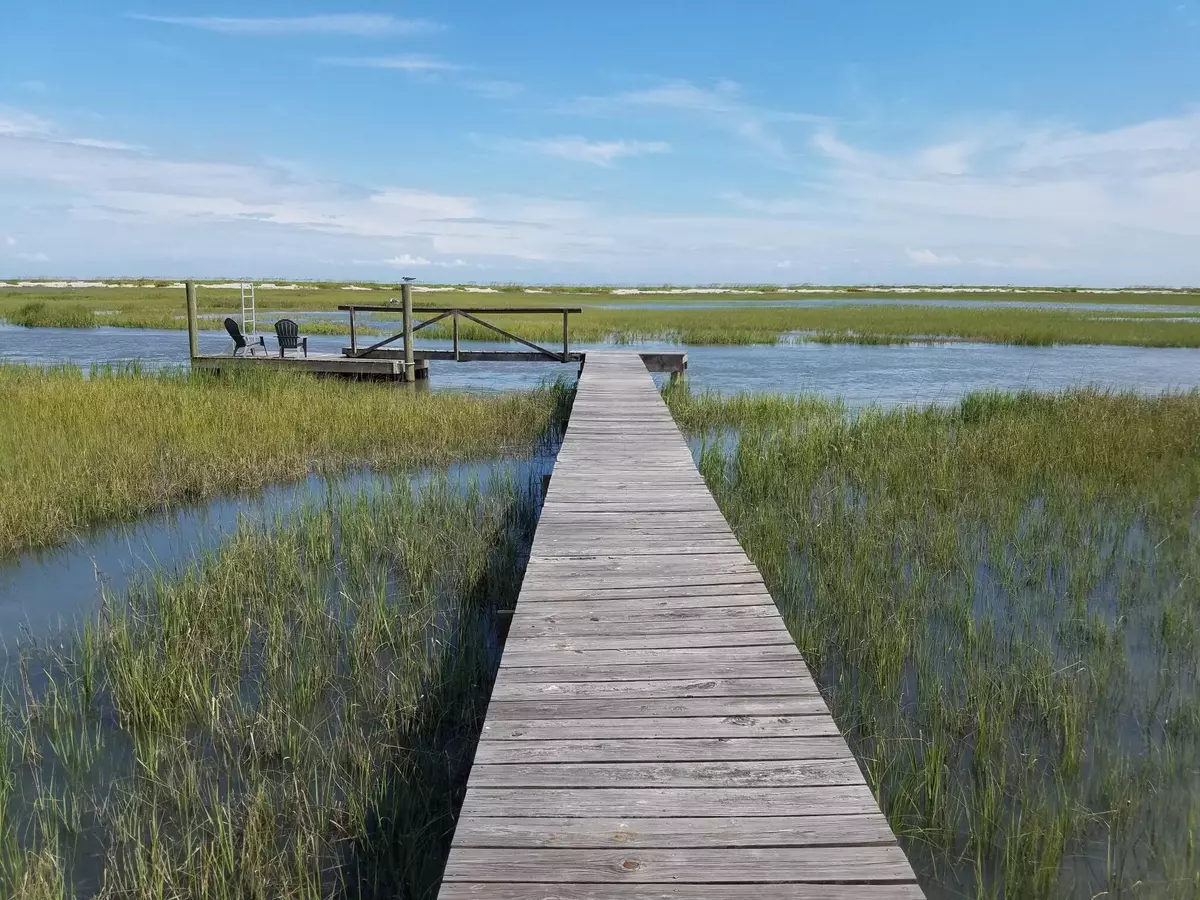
{"x":1001,"y":601}
{"x":688,"y":318}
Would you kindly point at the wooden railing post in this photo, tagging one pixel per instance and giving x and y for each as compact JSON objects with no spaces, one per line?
{"x":193,"y":324}
{"x":566,"y":349}
{"x":455,"y":331}
{"x":410,"y":368}
{"x":353,"y":335}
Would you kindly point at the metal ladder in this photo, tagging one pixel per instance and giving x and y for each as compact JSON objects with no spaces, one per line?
{"x":249,"y":317}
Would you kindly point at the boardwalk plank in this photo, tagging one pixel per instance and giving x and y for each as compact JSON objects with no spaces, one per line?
{"x":750,"y":864}
{"x":738,"y":726}
{"x":662,"y":750}
{"x":720,"y":831}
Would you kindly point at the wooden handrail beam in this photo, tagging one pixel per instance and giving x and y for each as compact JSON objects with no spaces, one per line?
{"x":518,"y":310}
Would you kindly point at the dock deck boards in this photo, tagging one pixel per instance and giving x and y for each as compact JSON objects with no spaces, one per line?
{"x":654,"y":734}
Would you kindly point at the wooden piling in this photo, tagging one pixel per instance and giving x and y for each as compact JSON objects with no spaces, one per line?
{"x":409,"y":363}
{"x":193,"y":324}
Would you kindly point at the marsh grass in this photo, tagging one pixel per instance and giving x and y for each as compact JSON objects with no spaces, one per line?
{"x":163,"y":309}
{"x":1001,"y":601}
{"x":291,"y":717}
{"x":79,"y":449}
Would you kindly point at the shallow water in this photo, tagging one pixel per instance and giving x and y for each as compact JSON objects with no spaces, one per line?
{"x":42,"y":589}
{"x":859,"y":374}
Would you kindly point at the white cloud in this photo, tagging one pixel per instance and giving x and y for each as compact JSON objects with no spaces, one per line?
{"x":929,"y":258}
{"x":34,"y":87}
{"x":34,"y":257}
{"x":596,"y":153}
{"x":10,"y":241}
{"x":1040,"y":205}
{"x":349,"y":24}
{"x":15,"y":123}
{"x":103,"y":145}
{"x":405,"y":259}
{"x":405,"y":63}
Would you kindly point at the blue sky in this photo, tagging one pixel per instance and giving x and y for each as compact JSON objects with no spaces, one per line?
{"x":1052,"y":142}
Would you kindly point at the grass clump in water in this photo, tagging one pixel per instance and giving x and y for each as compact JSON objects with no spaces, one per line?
{"x":78,"y":450}
{"x":1001,"y":602}
{"x":40,"y":314}
{"x":291,"y":717}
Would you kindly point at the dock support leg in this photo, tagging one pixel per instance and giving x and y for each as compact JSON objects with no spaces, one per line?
{"x":353,"y":335}
{"x":193,"y":325}
{"x":566,"y":349}
{"x":454,"y":321}
{"x":410,"y":369}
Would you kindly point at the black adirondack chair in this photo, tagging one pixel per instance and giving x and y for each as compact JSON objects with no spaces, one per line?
{"x":288,"y":333}
{"x":240,"y":344}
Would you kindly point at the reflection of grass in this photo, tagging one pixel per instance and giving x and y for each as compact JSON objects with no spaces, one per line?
{"x":1000,"y":600}
{"x":160,"y":308}
{"x":75,"y":451}
{"x":293,"y":717}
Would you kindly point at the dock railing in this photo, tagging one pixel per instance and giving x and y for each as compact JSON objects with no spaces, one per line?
{"x":455,"y":314}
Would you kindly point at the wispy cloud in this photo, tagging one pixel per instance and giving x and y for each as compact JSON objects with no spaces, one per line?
{"x":495,"y":89}
{"x":412,"y":63}
{"x":404,"y":260}
{"x":375,"y":25}
{"x":16,"y":123}
{"x":578,"y":149}
{"x":34,"y":86}
{"x":927,"y":257}
{"x":722,"y":105}
{"x":1037,"y":204}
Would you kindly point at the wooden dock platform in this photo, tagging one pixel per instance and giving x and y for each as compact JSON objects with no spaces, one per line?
{"x":654,"y":732}
{"x":674,"y":362}
{"x":333,"y":364}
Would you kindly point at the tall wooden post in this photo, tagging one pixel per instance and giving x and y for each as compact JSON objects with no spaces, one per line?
{"x":193,"y":325}
{"x":410,"y":368}
{"x":454,"y":320}
{"x":353,"y":335}
{"x":566,"y":349}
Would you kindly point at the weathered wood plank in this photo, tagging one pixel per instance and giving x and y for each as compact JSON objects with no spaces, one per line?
{"x":723,"y":831}
{"x":662,"y":750}
{"x":727,"y":639}
{"x":654,"y":670}
{"x":657,"y":708}
{"x":852,"y":799}
{"x":751,"y":773}
{"x":682,"y":891}
{"x":516,"y":657}
{"x":739,"y":726}
{"x":557,"y":691}
{"x":749,"y":865}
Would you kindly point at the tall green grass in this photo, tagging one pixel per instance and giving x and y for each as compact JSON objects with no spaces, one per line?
{"x":748,"y":324}
{"x":1001,"y":601}
{"x":79,"y":449}
{"x":292,"y":717}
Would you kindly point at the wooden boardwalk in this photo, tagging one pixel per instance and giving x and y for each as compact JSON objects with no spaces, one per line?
{"x":653,"y":732}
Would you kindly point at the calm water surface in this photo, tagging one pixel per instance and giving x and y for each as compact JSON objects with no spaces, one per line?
{"x":42,"y":589}
{"x":859,"y":374}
